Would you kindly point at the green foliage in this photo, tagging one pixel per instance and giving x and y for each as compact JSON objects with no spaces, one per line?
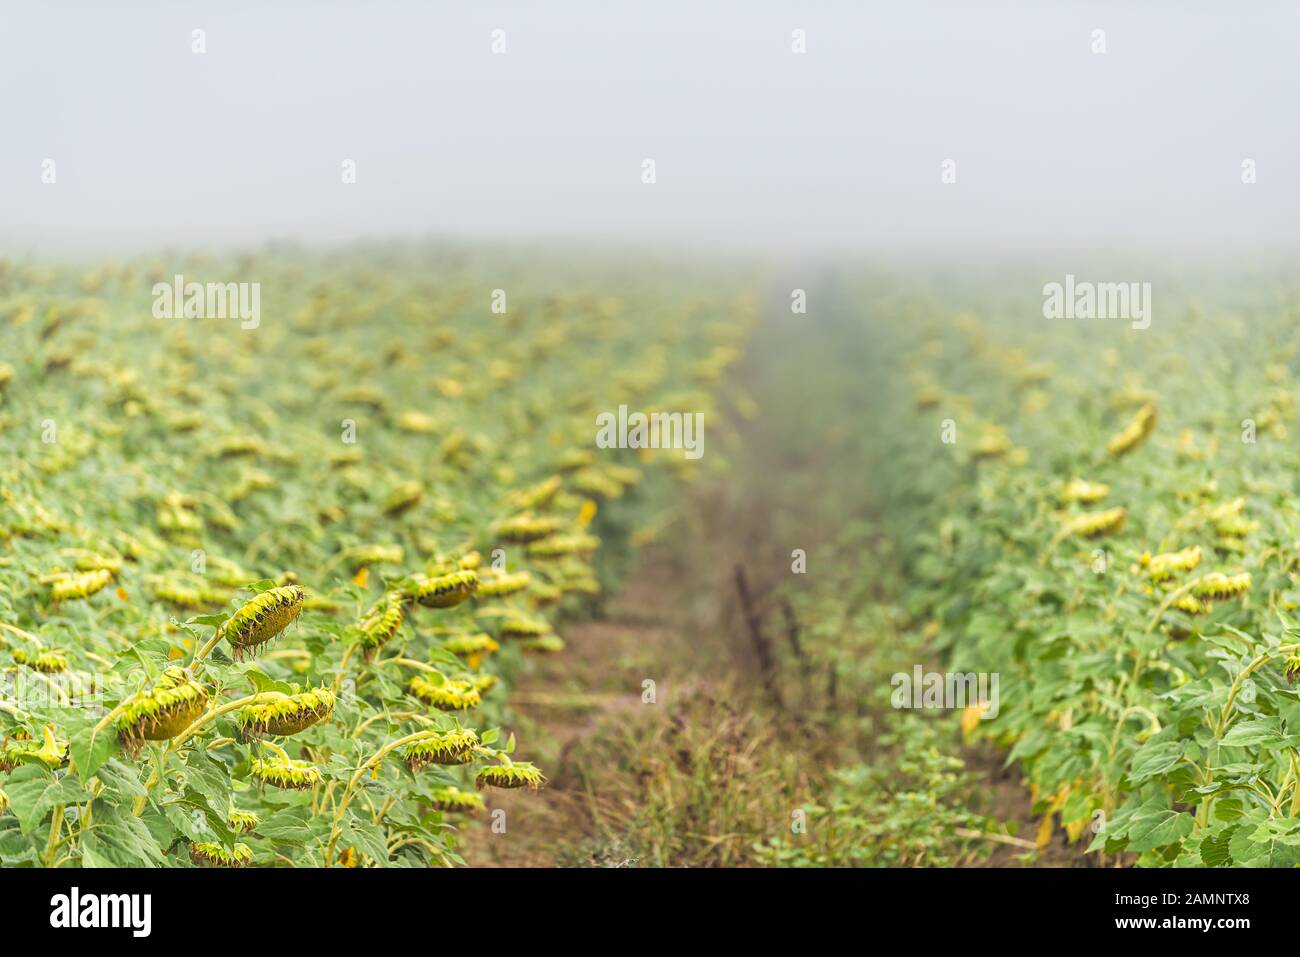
{"x":1144,"y":670}
{"x":208,"y":532}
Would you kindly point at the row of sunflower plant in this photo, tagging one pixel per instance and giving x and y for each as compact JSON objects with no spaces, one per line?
{"x":264,"y":585}
{"x":1104,"y":516}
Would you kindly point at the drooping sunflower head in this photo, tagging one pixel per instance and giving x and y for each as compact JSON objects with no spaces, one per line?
{"x":498,"y":584}
{"x":524,"y":628}
{"x":285,"y":773}
{"x":261,"y":619}
{"x":596,"y":483}
{"x":227,"y":573}
{"x":447,"y":695}
{"x":451,"y":799}
{"x":543,"y":644}
{"x":209,"y":854}
{"x":562,"y":546}
{"x":537,"y":496}
{"x":1133,"y":434}
{"x":573,"y":459}
{"x":245,"y":822}
{"x":184,"y":593}
{"x":403,"y":497}
{"x":46,"y":662}
{"x":444,"y":591}
{"x":1217,"y":586}
{"x":468,"y":646}
{"x":52,"y":752}
{"x":451,"y":747}
{"x":1191,"y":605}
{"x":1163,"y":566}
{"x":623,"y":474}
{"x":162,"y":712}
{"x":382,"y":623}
{"x":545,"y":593}
{"x":1083,"y":491}
{"x":992,"y":442}
{"x":519,"y":775}
{"x":483,"y":682}
{"x":83,"y":585}
{"x":527,"y":527}
{"x":287,"y":715}
{"x":1094,"y":524}
{"x":579,"y":580}
{"x":363,"y":556}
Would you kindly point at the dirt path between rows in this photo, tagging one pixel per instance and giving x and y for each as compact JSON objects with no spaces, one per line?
{"x":564,"y":699}
{"x":595,"y":687}
{"x":677,"y":621}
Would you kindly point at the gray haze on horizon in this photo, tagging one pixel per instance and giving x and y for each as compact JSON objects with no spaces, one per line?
{"x":756,"y":148}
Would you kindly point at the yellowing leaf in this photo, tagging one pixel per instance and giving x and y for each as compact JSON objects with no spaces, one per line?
{"x":1075,"y":828}
{"x":1044,"y":832}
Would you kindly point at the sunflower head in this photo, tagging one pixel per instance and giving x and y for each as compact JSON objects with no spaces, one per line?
{"x":527,"y":527}
{"x":537,"y":496}
{"x":160,"y":713}
{"x":524,"y":628}
{"x":449,"y":695}
{"x":1094,"y":524}
{"x":521,"y":775}
{"x":498,"y":584}
{"x":1293,"y":669}
{"x":261,"y":619}
{"x":1217,"y":586}
{"x":1133,"y":434}
{"x":444,"y":591}
{"x":47,"y":662}
{"x":245,"y":822}
{"x":451,"y":799}
{"x":596,"y":483}
{"x":285,"y":773}
{"x":208,"y":854}
{"x":288,"y":715}
{"x":451,"y":747}
{"x":483,"y":683}
{"x":543,"y":644}
{"x":562,"y":546}
{"x":83,"y":585}
{"x":52,"y":752}
{"x":363,"y":556}
{"x":382,"y":623}
{"x":1163,"y":566}
{"x":467,"y":646}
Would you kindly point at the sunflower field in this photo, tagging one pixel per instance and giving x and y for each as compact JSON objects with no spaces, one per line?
{"x":263,"y":590}
{"x":1105,"y":517}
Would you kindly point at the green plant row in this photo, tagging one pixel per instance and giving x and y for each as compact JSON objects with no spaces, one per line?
{"x":263,"y":589}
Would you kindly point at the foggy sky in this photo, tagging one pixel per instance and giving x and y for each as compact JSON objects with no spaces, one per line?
{"x":756,"y":147}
